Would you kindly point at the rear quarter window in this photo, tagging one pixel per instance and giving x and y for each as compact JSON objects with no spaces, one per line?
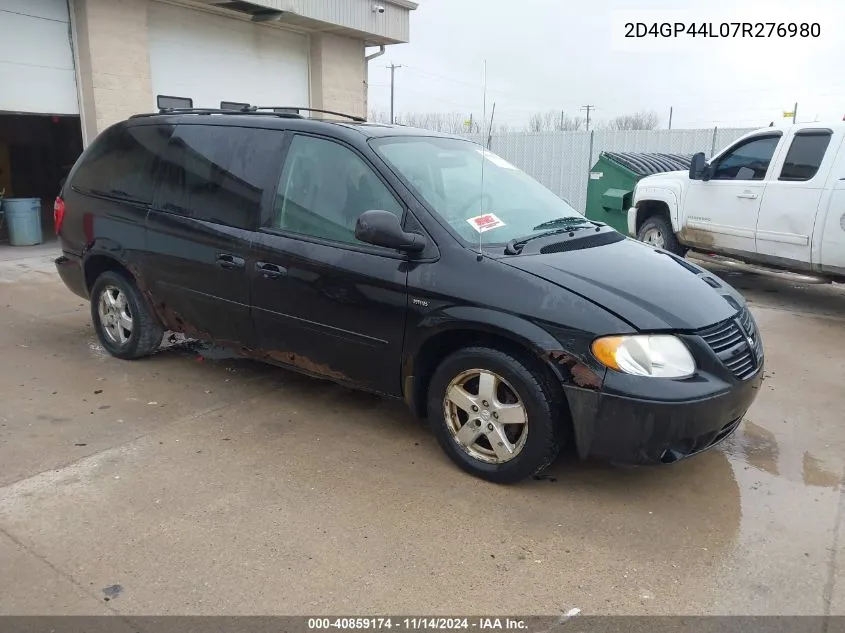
{"x":219,"y":173}
{"x":122,"y":163}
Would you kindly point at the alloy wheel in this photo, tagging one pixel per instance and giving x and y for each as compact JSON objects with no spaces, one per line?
{"x":485,"y":416}
{"x":115,"y":316}
{"x":654,"y":237}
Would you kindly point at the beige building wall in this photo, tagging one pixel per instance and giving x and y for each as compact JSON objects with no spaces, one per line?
{"x":112,"y":50}
{"x":338,"y":74}
{"x":114,"y":62}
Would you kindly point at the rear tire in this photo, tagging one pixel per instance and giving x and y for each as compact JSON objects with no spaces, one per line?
{"x":482,"y":442}
{"x":124,"y":324}
{"x":657,"y":231}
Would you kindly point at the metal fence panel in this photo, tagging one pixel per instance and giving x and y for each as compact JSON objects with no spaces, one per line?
{"x":562,"y":160}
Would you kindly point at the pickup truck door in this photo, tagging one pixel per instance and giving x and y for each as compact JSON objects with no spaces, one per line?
{"x":721,"y":213}
{"x":793,"y":194}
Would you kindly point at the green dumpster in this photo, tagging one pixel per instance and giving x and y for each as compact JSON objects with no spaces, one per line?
{"x":612,"y":181}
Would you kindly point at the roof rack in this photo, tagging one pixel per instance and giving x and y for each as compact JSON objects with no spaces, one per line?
{"x":296,"y":109}
{"x":279,"y":111}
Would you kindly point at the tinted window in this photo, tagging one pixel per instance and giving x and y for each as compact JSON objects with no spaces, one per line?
{"x":749,"y":161}
{"x":324,"y":188}
{"x":219,"y":174}
{"x":122,"y":163}
{"x":804,"y":156}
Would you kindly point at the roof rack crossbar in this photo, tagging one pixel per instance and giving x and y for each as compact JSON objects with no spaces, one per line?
{"x":215,"y":111}
{"x":279,"y":111}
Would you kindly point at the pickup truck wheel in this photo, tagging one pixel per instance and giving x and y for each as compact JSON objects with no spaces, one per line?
{"x":124,"y":324}
{"x":657,"y":231}
{"x":493,"y":415}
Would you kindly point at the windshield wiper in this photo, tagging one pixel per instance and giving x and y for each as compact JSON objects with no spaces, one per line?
{"x":572,"y":220}
{"x":514,"y":246}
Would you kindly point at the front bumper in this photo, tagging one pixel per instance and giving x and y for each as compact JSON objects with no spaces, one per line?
{"x":632,"y":221}
{"x":629,"y":429}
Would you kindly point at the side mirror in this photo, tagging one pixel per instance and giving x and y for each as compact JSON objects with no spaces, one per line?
{"x":382,"y":228}
{"x":698,"y":167}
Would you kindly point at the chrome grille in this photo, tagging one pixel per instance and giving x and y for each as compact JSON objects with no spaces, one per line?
{"x":729,"y":340}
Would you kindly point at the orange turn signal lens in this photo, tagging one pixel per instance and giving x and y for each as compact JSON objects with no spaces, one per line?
{"x":604,"y":349}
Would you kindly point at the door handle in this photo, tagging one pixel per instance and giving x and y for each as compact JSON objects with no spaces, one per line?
{"x":747,"y":194}
{"x":225,"y":260}
{"x":271,"y":271}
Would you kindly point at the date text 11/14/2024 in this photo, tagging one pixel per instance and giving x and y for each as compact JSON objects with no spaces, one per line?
{"x":417,"y":624}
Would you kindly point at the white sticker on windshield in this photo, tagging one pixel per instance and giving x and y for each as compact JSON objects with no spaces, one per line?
{"x":496,"y":160}
{"x":485,"y":222}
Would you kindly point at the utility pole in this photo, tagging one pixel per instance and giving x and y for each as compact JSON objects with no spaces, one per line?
{"x":392,"y":68}
{"x":795,"y":113}
{"x":588,"y":108}
{"x":561,"y":120}
{"x":670,"y":117}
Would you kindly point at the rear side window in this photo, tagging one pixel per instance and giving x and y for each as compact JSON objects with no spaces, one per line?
{"x":219,"y":174}
{"x":805,"y":156}
{"x":122,"y":163}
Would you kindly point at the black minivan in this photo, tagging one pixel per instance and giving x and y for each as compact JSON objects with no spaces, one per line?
{"x":412,"y":264}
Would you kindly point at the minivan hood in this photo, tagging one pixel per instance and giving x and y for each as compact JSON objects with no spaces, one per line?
{"x":649,"y":288}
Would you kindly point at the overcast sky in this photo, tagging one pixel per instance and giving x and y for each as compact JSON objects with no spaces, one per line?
{"x":561,"y":55}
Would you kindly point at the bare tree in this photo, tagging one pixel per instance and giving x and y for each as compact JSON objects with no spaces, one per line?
{"x":378,"y":116}
{"x":554,"y":121}
{"x":643,"y":120}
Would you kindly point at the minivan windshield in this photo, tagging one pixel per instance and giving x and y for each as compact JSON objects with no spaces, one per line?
{"x":446,"y":172}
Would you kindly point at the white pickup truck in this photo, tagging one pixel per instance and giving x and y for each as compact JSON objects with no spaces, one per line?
{"x":774,"y":198}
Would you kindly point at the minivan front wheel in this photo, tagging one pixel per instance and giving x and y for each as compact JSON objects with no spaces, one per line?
{"x":494,"y":415}
{"x":124,"y":324}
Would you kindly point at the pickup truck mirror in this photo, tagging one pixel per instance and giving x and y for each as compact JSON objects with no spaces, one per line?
{"x":382,"y":228}
{"x":698,"y":167}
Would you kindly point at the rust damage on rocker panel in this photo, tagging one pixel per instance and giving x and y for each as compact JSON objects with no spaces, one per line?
{"x":303,"y":363}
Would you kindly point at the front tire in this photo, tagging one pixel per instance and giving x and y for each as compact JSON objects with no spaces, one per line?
{"x":657,"y":231}
{"x":124,"y":324}
{"x":495,"y":415}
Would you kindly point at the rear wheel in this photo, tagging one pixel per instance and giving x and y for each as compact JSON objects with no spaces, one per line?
{"x":657,"y":231}
{"x":123,"y":322}
{"x":494,"y":414}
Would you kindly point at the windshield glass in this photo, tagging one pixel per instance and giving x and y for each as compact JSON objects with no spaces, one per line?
{"x":447,"y":174}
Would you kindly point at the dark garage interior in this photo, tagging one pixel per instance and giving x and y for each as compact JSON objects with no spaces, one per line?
{"x":36,"y":153}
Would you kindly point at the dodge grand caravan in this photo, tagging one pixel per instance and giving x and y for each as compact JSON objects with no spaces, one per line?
{"x":411,"y":264}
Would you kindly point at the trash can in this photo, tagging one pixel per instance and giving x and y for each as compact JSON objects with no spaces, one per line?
{"x":613,"y":177}
{"x":23,"y":219}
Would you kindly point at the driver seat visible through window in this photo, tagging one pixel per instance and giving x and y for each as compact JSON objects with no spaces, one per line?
{"x":324,"y":188}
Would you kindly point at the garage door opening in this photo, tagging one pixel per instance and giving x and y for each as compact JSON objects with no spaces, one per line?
{"x":36,"y":154}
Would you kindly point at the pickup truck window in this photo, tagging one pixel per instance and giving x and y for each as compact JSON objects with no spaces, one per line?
{"x":805,"y":156}
{"x":747,"y":161}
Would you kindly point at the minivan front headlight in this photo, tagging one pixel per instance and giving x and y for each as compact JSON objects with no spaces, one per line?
{"x":655,"y":355}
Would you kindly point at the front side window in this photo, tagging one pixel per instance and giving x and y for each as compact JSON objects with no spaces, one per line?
{"x":324,"y":188}
{"x":748,"y":161}
{"x":804,"y":156}
{"x":447,"y":174}
{"x":219,"y":174}
{"x":122,"y":163}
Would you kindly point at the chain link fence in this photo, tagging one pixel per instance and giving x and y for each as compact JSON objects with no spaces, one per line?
{"x":562,"y":160}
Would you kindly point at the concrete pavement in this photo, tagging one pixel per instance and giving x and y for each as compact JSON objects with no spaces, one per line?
{"x":195,"y":483}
